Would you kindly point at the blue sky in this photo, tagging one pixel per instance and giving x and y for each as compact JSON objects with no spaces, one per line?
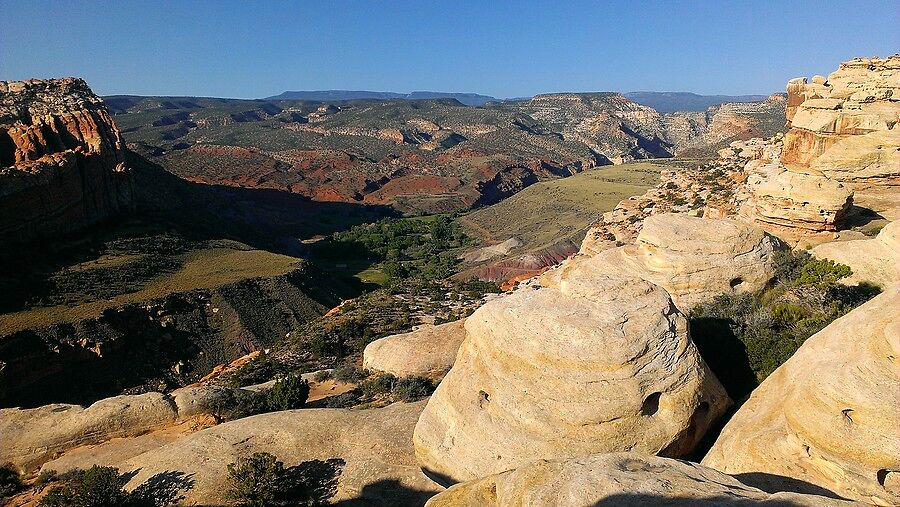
{"x":505,"y":49}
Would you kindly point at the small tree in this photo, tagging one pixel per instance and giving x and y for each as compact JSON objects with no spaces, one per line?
{"x":10,"y":484}
{"x":96,"y":486}
{"x":288,"y":393}
{"x":255,"y":481}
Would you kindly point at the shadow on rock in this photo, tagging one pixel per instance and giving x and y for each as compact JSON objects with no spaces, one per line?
{"x":388,"y":493}
{"x":164,"y":488}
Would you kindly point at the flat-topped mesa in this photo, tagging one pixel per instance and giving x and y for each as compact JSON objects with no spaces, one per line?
{"x":61,"y":159}
{"x":601,"y":363}
{"x":853,"y":113}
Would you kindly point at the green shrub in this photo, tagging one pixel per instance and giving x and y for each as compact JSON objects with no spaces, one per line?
{"x":822,"y":272}
{"x":383,"y":383}
{"x":94,"y":487}
{"x":288,"y":393}
{"x":258,"y":370}
{"x":255,"y":481}
{"x":10,"y":483}
{"x":350,"y":374}
{"x":412,"y":388}
{"x":322,"y":375}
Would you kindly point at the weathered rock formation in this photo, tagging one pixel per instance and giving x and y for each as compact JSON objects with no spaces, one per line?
{"x":429,"y":351}
{"x":694,"y":259}
{"x":828,"y":417}
{"x":378,"y":464}
{"x":61,"y":159}
{"x":874,"y":260}
{"x":618,"y":479}
{"x":597,"y":363}
{"x":34,"y":436}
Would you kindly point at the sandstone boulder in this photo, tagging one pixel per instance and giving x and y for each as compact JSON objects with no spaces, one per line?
{"x":863,"y":161}
{"x":428,"y":351}
{"x":618,"y":479}
{"x":599,"y":363}
{"x":793,"y":200}
{"x":378,"y":464}
{"x":874,"y":260}
{"x":828,"y":417}
{"x":694,"y":259}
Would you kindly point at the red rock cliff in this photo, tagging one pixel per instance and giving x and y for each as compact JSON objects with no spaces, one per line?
{"x":61,"y":159}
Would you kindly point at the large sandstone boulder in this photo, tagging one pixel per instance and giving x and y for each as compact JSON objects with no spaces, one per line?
{"x":379,"y":466}
{"x":36,"y":435}
{"x":828,"y":417}
{"x":786,"y":199}
{"x":694,"y":259}
{"x":874,"y":260}
{"x":618,"y":479}
{"x":599,"y":363}
{"x":863,"y":161}
{"x":428,"y":351}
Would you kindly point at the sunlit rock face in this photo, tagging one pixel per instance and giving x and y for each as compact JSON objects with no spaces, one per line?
{"x":61,"y":159}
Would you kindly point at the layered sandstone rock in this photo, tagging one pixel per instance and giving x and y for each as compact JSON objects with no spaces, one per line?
{"x":828,"y":417}
{"x":874,"y":260}
{"x":618,"y":479}
{"x":376,"y":464}
{"x":599,"y":363}
{"x":694,"y":259}
{"x":61,"y":159}
{"x":781,"y":198}
{"x":428,"y":351}
{"x":33,"y":436}
{"x":860,"y":99}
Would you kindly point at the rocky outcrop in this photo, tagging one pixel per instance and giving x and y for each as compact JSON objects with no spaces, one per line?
{"x":375,"y":464}
{"x":598,"y":363}
{"x":874,"y":260}
{"x":618,"y":479}
{"x":34,"y":436}
{"x":694,"y":259}
{"x":781,"y":198}
{"x":828,"y":417}
{"x":428,"y":351}
{"x":61,"y":159}
{"x":854,"y":113}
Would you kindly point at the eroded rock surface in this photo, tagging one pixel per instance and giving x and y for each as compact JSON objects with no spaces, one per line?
{"x":875,"y":260}
{"x":33,"y":436}
{"x":379,"y":466}
{"x":618,"y":479}
{"x":599,"y":363}
{"x":828,"y":417}
{"x":61,"y":159}
{"x":429,"y":351}
{"x":694,"y":259}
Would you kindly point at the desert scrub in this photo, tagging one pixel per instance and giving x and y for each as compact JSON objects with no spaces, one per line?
{"x":255,"y":481}
{"x":10,"y":483}
{"x":745,"y":337}
{"x":287,"y":393}
{"x":96,"y":486}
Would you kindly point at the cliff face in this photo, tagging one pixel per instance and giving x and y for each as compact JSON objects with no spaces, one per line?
{"x":61,"y":159}
{"x":845,"y":126}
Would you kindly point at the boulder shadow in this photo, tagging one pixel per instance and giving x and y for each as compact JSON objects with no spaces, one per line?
{"x":165,"y":488}
{"x":387,"y":493}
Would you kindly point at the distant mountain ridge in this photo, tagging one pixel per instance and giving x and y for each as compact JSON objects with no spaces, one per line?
{"x":469,"y":99}
{"x":670,"y":102}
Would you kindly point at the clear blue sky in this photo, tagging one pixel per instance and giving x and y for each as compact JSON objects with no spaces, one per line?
{"x":499,"y":48}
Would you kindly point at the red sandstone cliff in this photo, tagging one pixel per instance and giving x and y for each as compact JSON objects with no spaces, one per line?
{"x":61,"y":159}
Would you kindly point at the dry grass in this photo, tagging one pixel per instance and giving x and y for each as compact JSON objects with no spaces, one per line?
{"x":552,"y":211}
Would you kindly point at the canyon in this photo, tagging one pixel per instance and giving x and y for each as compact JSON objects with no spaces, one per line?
{"x":724,"y":330}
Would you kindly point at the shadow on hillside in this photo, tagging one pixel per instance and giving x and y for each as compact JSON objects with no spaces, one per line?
{"x":857,"y":216}
{"x":642,"y":499}
{"x":167,"y":206}
{"x":725,"y":354}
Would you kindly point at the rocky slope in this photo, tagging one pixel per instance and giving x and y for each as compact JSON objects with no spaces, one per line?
{"x":828,"y":417}
{"x":61,"y":160}
{"x":620,"y":479}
